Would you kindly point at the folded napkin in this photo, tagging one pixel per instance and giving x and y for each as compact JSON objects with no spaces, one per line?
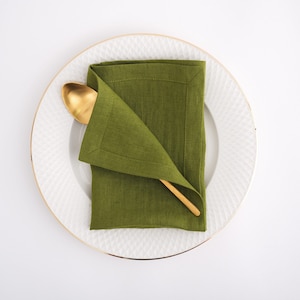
{"x":147,"y":124}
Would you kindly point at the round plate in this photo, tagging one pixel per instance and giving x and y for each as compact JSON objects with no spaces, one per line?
{"x":64,"y":182}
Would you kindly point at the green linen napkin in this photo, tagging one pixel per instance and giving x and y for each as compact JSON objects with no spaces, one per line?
{"x":147,"y":124}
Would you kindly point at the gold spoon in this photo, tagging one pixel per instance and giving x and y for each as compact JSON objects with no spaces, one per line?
{"x":80,"y":99}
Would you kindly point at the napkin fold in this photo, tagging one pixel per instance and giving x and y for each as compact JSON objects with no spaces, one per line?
{"x":147,"y":124}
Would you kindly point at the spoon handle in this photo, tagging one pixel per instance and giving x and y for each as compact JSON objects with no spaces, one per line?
{"x":181,"y":197}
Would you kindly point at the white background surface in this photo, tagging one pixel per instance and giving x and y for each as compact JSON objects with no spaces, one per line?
{"x":257,"y":255}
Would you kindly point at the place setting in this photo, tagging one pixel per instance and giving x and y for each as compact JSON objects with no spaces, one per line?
{"x":143,"y":146}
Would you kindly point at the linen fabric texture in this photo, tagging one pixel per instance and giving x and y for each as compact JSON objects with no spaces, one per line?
{"x":147,"y":124}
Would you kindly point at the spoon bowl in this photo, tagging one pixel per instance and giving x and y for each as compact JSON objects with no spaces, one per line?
{"x":79,"y":100}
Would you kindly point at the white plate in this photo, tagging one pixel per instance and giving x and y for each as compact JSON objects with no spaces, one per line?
{"x":64,"y":182}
